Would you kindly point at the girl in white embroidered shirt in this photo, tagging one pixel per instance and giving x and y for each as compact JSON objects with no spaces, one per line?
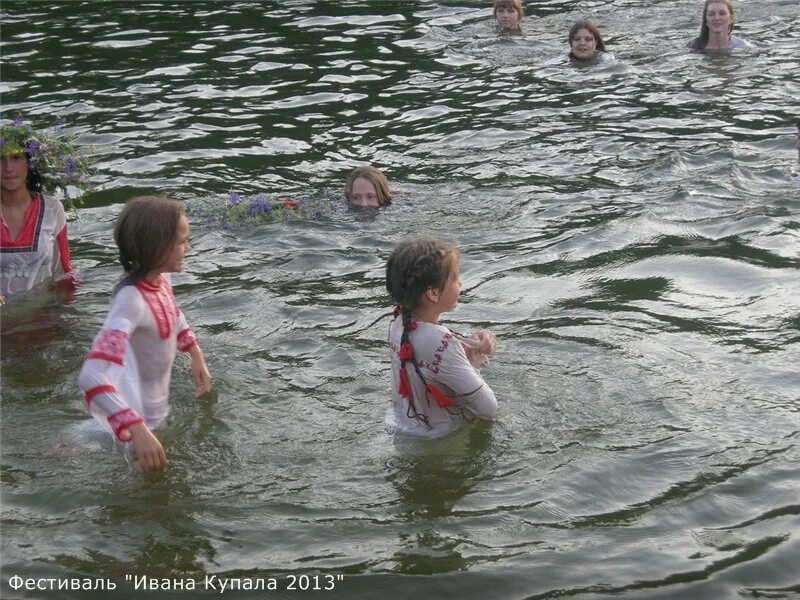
{"x":434,"y":379}
{"x":125,"y":378}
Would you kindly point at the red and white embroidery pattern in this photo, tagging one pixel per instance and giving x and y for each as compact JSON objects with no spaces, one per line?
{"x":186,"y":340}
{"x":161,"y":302}
{"x":124,"y":419}
{"x":110,"y":345}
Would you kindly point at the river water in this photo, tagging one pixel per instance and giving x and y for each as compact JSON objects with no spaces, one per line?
{"x":628,"y":231}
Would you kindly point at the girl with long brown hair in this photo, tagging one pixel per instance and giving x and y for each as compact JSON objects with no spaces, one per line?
{"x":125,"y":378}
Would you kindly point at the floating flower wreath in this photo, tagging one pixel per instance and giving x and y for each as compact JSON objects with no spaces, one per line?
{"x":53,"y":156}
{"x":261,"y":209}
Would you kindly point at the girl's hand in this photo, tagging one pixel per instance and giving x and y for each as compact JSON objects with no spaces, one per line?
{"x":200,"y":373}
{"x":147,"y":450}
{"x":487,"y":343}
{"x":478,"y":347}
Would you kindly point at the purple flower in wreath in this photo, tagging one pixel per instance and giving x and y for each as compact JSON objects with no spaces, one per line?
{"x":32,"y":147}
{"x":234,"y":199}
{"x":17,"y":122}
{"x":71,"y":165}
{"x":260,"y":205}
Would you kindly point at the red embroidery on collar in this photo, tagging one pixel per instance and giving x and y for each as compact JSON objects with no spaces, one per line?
{"x":28,"y":237}
{"x":159,"y":298}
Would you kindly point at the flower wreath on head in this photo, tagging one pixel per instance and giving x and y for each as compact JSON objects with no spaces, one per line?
{"x":58,"y":161}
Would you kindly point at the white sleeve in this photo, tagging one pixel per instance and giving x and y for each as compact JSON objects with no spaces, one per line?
{"x":465,"y":383}
{"x":104,"y":366}
{"x":186,"y":339}
{"x":56,"y":265}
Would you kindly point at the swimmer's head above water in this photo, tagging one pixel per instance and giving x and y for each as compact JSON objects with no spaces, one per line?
{"x":718,"y":20}
{"x":508,"y":14}
{"x":585,"y":41}
{"x":367,"y":187}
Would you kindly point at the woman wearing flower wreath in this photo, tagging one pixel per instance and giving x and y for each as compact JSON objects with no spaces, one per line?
{"x":34,"y":249}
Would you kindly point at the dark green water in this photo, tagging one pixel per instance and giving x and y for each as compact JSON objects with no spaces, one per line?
{"x":630,"y":233}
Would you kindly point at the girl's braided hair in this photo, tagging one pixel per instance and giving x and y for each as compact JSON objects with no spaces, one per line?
{"x":413,"y":268}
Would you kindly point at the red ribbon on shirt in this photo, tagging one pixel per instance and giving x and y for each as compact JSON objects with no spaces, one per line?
{"x":404,"y":389}
{"x":406,"y":352}
{"x":441,"y":398}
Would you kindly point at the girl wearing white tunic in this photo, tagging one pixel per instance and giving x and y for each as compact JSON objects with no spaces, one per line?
{"x":125,"y":378}
{"x":33,"y":230}
{"x":435,"y":383}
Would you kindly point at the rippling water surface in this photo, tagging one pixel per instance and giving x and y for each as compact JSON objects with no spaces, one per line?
{"x":629,"y":231}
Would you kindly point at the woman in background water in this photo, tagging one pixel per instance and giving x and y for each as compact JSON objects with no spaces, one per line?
{"x":367,"y":187}
{"x":586,"y":44}
{"x":34,"y":249}
{"x":716,"y":30}
{"x":508,"y":14}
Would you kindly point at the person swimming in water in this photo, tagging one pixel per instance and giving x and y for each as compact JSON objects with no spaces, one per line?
{"x":367,"y":187}
{"x":586,"y":44}
{"x":716,"y":30}
{"x":508,"y":15}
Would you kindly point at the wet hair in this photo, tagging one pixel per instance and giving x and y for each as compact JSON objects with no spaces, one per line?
{"x":413,"y":268}
{"x":515,"y":4}
{"x":34,"y":181}
{"x":591,"y":28}
{"x":145,"y":233}
{"x":701,"y":41}
{"x":376,"y":178}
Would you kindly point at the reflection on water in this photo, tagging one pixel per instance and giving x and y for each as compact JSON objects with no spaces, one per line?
{"x":629,"y":232}
{"x":431,"y":477}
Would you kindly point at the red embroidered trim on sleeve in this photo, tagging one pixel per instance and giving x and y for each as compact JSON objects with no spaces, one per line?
{"x":100,"y":389}
{"x":186,"y":340}
{"x":124,"y":419}
{"x":63,"y":250}
{"x":110,"y":345}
